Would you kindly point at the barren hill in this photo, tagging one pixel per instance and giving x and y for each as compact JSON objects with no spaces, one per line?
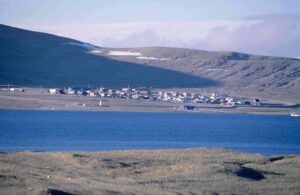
{"x":236,"y":72}
{"x":40,"y":59}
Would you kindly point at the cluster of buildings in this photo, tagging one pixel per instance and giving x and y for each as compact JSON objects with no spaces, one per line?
{"x":148,"y":94}
{"x":12,"y":89}
{"x":129,"y":93}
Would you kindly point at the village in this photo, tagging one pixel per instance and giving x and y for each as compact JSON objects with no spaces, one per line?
{"x":188,"y":98}
{"x":191,"y":99}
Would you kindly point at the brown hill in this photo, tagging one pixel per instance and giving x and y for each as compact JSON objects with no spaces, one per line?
{"x":264,"y":76}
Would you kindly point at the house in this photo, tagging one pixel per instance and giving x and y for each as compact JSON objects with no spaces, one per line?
{"x":16,"y":90}
{"x":214,"y":101}
{"x":243,"y":102}
{"x":197,"y":100}
{"x":152,"y":98}
{"x":174,"y":93}
{"x":166,"y":96}
{"x":79,"y":92}
{"x":56,"y":91}
{"x":102,"y":94}
{"x":70,"y":91}
{"x":256,"y":102}
{"x":160,"y":93}
{"x":102,"y":90}
{"x":144,"y":91}
{"x":111,"y":93}
{"x":186,"y":94}
{"x":92,"y":94}
{"x":187,"y":99}
{"x":229,"y":99}
{"x":178,"y":99}
{"x":126,"y":89}
{"x":135,"y":96}
{"x":84,"y":93}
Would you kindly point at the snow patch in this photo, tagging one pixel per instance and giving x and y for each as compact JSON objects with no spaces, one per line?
{"x":164,"y":58}
{"x":124,"y":53}
{"x":81,"y":44}
{"x":95,"y":51}
{"x":146,"y":58}
{"x":151,"y":58}
{"x":138,"y":55}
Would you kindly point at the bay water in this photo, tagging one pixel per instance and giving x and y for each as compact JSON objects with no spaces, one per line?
{"x":94,"y":131}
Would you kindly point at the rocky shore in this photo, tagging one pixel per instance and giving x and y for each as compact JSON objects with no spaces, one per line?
{"x":193,"y":171}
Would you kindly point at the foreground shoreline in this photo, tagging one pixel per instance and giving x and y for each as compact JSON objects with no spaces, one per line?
{"x":206,"y":111}
{"x":188,"y":171}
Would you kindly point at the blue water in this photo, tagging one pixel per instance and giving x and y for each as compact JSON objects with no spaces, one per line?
{"x":91,"y":131}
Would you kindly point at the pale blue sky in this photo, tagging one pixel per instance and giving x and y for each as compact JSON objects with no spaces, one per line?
{"x":179,"y":23}
{"x":44,"y":11}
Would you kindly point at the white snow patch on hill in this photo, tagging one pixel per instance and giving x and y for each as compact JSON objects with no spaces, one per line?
{"x":146,"y":58}
{"x":138,"y":55}
{"x":95,"y":51}
{"x":124,"y":53}
{"x":151,"y":58}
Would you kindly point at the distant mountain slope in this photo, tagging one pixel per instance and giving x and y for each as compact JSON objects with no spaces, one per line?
{"x":40,"y":59}
{"x":252,"y":74}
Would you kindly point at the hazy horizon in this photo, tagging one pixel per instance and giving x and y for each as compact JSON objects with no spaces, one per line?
{"x":251,"y":27}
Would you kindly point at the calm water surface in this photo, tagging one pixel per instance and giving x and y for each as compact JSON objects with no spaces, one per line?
{"x":91,"y":131}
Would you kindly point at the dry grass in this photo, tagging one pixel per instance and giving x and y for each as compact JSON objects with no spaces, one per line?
{"x":195,"y":171}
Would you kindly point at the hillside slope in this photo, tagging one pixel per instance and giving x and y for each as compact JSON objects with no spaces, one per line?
{"x":242,"y":73}
{"x":40,"y":59}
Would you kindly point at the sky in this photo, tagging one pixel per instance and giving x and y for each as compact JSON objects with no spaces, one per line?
{"x":263,"y":27}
